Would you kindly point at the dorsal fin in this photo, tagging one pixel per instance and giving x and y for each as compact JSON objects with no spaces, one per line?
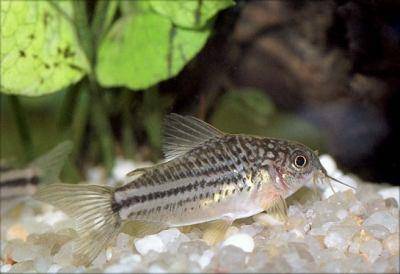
{"x":182,"y":133}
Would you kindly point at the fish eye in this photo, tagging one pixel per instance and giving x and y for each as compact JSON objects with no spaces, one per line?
{"x":300,"y":161}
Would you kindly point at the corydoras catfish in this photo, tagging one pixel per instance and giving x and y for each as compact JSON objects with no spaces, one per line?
{"x":208,"y":176}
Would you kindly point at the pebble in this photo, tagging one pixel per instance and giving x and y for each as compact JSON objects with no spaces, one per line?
{"x":377,"y":231}
{"x":122,"y":241}
{"x":95,"y":174}
{"x":5,"y":268}
{"x":240,"y":240}
{"x":172,"y":238}
{"x":231,"y":259}
{"x":121,"y":168}
{"x":342,"y":214}
{"x":205,"y":258}
{"x":64,"y":256}
{"x":20,"y":251}
{"x":126,"y":264}
{"x":52,"y":217}
{"x":148,"y":243}
{"x":156,"y":269}
{"x":17,"y":232}
{"x":22,"y":267}
{"x":251,"y":230}
{"x":372,"y":248}
{"x":391,"y":202}
{"x":357,"y":208}
{"x":343,"y":233}
{"x":392,"y":244}
{"x":390,"y":192}
{"x":335,"y":240}
{"x":383,"y":218}
{"x":328,"y":163}
{"x":54,"y":268}
{"x":42,"y":264}
{"x":354,"y":247}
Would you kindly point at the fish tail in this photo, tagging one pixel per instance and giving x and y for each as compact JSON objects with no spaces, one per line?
{"x":50,"y":164}
{"x":91,"y":206}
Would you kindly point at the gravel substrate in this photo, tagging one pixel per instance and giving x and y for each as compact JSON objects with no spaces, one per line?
{"x":344,"y":232}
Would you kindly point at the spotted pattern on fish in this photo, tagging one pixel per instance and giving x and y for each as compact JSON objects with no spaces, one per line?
{"x":210,"y":174}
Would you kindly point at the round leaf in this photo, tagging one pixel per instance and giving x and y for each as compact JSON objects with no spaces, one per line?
{"x":144,"y":49}
{"x":39,"y":53}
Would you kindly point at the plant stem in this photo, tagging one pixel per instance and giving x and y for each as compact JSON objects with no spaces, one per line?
{"x":65,"y":113}
{"x":99,"y":20}
{"x":81,"y":115}
{"x":99,"y":116}
{"x":153,"y":116}
{"x":102,"y":126}
{"x":128,"y":142}
{"x":23,"y":128}
{"x":83,"y":30}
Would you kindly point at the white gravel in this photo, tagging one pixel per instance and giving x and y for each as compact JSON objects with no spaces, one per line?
{"x":243,"y":241}
{"x":344,"y":232}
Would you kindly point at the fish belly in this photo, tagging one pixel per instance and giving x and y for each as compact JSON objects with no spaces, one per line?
{"x":232,"y":208}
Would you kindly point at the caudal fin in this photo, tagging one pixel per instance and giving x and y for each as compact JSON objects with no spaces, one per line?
{"x":91,"y":208}
{"x":50,"y":164}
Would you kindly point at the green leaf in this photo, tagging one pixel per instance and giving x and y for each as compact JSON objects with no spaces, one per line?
{"x":190,"y":14}
{"x":145,"y":48}
{"x":40,"y":52}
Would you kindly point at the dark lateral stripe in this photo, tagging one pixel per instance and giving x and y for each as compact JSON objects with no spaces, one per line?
{"x":180,"y":171}
{"x":199,"y":196}
{"x":179,"y":190}
{"x":20,"y":181}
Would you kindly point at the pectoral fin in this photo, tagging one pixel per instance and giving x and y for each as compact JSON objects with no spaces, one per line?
{"x":215,"y":231}
{"x":278,"y":208}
